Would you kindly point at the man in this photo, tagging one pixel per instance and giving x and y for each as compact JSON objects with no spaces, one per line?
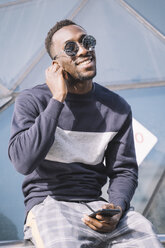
{"x":62,"y":132}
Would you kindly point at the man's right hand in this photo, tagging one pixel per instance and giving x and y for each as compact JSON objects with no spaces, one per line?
{"x":56,"y":79}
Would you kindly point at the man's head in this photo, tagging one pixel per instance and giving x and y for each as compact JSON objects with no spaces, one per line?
{"x":80,"y":63}
{"x":52,"y":31}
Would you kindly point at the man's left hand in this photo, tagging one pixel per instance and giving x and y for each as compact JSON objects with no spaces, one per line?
{"x":101,"y":223}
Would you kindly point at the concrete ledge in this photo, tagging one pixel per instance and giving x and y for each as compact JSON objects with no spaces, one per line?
{"x":16,"y":244}
{"x":162,"y":238}
{"x":28,"y":244}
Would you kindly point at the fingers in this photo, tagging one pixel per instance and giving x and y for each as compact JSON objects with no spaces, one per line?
{"x":103,"y":218}
{"x":109,"y":220}
{"x":108,"y":206}
{"x":97,"y":225}
{"x":56,"y":81}
{"x":91,"y":222}
{"x":112,"y":206}
{"x":102,"y":223}
{"x":53,"y":68}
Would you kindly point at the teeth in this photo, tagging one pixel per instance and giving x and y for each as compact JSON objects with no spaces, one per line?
{"x":85,"y":62}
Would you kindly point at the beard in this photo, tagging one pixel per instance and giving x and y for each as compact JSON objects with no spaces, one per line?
{"x":80,"y":77}
{"x":83,"y":78}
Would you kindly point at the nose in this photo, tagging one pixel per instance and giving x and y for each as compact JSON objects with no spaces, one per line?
{"x":82,"y":50}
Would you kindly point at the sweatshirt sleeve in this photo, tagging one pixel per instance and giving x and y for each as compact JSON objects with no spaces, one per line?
{"x":122,"y":167}
{"x":32,"y":133}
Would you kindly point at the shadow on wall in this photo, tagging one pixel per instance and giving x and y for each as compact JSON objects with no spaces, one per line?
{"x":8,"y":230}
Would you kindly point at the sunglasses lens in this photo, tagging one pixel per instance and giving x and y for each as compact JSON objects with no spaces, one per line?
{"x":89,"y":42}
{"x":71,"y":48}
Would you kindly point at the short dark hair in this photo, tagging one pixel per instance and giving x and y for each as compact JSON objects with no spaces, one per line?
{"x":54,"y":29}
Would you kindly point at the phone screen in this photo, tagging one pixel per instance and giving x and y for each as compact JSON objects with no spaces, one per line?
{"x":105,"y":212}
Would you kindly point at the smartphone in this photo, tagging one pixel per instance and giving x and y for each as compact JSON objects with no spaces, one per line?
{"x":105,"y":212}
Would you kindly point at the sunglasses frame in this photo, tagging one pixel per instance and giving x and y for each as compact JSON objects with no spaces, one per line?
{"x":85,"y":39}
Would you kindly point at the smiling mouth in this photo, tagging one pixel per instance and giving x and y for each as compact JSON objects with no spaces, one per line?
{"x":85,"y":61}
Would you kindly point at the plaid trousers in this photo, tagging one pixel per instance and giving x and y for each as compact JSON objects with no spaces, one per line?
{"x":58,"y":224}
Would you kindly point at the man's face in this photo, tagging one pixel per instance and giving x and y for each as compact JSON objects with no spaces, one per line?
{"x":82,"y":66}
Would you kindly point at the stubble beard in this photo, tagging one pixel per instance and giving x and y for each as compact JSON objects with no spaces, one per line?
{"x":80,"y":78}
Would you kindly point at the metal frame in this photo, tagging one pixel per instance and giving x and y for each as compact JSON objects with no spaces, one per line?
{"x":141,"y":19}
{"x":42,"y":52}
{"x":113,"y":87}
{"x":10,"y":93}
{"x":147,"y":208}
{"x":4,"y":5}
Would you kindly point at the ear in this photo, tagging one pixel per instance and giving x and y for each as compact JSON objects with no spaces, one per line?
{"x":54,"y":62}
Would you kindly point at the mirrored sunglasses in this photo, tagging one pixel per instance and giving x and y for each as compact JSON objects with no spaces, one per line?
{"x":71,"y":47}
